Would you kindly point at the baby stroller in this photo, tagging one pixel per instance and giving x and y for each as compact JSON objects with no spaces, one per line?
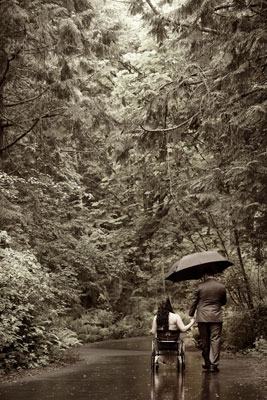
{"x":168,"y":343}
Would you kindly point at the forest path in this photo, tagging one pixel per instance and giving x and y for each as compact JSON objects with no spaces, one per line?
{"x":120,"y":370}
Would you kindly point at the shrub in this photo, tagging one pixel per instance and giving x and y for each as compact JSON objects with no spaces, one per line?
{"x":93,"y":326}
{"x":28,"y":307}
{"x":238,"y":331}
{"x":243,"y":328}
{"x":260,"y":346}
{"x":64,"y":338}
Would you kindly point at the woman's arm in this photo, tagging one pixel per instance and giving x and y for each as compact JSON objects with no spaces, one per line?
{"x":154,"y":326}
{"x":180,"y":324}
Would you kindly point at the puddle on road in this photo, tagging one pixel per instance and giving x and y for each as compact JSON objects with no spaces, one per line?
{"x":120,"y":370}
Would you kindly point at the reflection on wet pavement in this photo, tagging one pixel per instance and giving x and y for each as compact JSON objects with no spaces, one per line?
{"x":168,"y":385}
{"x":210,"y":387}
{"x":120,"y":370}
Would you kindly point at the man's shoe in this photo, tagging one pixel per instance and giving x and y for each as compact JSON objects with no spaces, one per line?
{"x":213,"y":368}
{"x":205,"y":366}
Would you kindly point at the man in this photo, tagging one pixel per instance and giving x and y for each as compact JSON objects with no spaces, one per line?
{"x":208,"y":298}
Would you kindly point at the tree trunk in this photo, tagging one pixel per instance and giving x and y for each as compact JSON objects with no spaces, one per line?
{"x":3,"y":69}
{"x":218,"y":234}
{"x":244,"y":274}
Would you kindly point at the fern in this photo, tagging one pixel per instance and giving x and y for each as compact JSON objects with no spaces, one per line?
{"x":65,"y":338}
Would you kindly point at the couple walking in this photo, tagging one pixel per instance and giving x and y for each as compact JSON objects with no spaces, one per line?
{"x":208,"y":298}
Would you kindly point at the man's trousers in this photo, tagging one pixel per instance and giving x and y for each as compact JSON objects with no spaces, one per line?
{"x":210,"y":333}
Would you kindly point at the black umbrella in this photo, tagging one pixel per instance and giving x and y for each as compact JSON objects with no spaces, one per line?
{"x":194,"y":265}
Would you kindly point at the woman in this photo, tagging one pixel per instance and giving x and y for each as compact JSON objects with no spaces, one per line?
{"x":166,"y":319}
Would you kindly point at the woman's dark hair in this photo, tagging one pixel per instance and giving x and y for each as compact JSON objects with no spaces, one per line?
{"x":164,"y":309}
{"x":208,"y":270}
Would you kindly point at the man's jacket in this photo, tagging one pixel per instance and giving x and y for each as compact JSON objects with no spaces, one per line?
{"x":208,"y":298}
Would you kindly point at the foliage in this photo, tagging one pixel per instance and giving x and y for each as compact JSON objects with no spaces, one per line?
{"x":260,"y":346}
{"x":28,"y":307}
{"x":64,"y":338}
{"x":100,"y":325}
{"x":130,"y":134}
{"x":243,"y":324}
{"x":211,"y":140}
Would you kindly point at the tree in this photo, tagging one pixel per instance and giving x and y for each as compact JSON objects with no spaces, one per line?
{"x":129,"y":140}
{"x":217,"y":128}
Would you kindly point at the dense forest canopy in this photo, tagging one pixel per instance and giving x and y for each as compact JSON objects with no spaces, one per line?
{"x":131,"y":133}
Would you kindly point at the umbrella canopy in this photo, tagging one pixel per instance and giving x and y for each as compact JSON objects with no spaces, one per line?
{"x":194,"y":265}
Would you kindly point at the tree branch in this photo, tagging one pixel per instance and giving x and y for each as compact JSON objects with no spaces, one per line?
{"x":163,"y":130}
{"x":25,"y":101}
{"x":218,"y":233}
{"x":7,"y":68}
{"x":4,"y":126}
{"x":130,"y":67}
{"x":156,"y":12}
{"x":223,"y":6}
{"x":20,"y":137}
{"x":242,"y":96}
{"x":153,"y":8}
{"x":166,"y":84}
{"x":28,"y":130}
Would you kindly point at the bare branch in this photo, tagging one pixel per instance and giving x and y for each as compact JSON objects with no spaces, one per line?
{"x":130,"y":67}
{"x":20,"y":137}
{"x":7,"y":68}
{"x":223,"y":6}
{"x":28,"y":130}
{"x":4,"y":126}
{"x":166,"y":84}
{"x":165,"y":130}
{"x":25,"y":101}
{"x":243,"y":95}
{"x":153,"y":8}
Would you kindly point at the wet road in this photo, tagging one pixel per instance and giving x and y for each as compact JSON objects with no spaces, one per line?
{"x":120,"y":370}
